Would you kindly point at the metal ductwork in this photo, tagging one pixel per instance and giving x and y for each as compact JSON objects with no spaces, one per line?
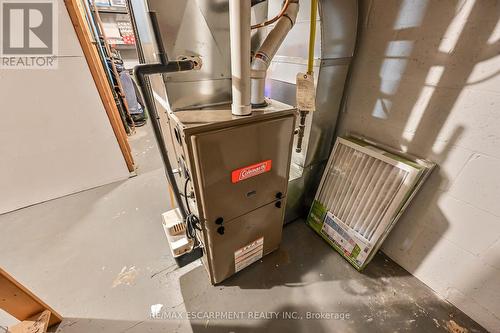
{"x":201,"y":28}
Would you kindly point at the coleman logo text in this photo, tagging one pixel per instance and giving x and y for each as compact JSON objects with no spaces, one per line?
{"x":250,"y":171}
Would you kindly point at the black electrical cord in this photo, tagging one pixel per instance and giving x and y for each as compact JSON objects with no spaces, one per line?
{"x":192,"y":221}
{"x":192,"y":224}
{"x":186,"y":194}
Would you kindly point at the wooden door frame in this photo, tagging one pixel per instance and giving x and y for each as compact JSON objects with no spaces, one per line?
{"x":77,"y":14}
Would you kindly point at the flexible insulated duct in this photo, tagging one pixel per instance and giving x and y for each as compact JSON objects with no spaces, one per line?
{"x":267,"y":51}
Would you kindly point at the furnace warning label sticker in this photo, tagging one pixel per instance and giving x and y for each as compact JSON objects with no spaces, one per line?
{"x":248,"y":254}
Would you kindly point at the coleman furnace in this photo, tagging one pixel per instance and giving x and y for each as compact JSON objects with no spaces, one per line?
{"x":236,"y":173}
{"x":232,"y":148}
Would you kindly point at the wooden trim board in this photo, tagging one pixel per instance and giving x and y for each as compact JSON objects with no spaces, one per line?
{"x":21,"y":303}
{"x":38,"y":324}
{"x":76,"y":13}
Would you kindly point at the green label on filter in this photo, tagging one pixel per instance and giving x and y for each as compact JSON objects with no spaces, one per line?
{"x":355,"y":251}
{"x":316,"y":215}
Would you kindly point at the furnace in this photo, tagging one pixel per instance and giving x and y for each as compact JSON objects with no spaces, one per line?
{"x":232,"y":145}
{"x":234,"y":172}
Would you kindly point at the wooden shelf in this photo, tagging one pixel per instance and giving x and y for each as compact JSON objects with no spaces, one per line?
{"x":112,"y":10}
{"x":123,"y":46}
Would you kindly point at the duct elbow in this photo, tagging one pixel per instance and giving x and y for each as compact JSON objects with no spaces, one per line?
{"x":277,"y":35}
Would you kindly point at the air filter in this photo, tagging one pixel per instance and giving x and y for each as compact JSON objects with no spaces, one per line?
{"x":364,"y":190}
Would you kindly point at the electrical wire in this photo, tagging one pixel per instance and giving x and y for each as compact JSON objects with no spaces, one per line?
{"x":192,"y":224}
{"x":186,"y":195}
{"x":274,"y":19}
{"x":192,"y":221}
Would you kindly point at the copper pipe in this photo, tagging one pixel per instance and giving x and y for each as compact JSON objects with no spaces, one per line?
{"x":274,"y":19}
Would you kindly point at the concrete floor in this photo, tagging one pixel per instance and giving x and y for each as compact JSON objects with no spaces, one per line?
{"x":101,"y":259}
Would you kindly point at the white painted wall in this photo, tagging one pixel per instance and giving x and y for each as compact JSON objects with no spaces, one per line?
{"x":426,"y":79}
{"x":55,"y":136}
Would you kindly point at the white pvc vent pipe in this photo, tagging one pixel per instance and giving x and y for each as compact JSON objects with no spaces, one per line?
{"x":239,"y":32}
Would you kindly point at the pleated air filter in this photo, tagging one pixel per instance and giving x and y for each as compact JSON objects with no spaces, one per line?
{"x":363,"y":192}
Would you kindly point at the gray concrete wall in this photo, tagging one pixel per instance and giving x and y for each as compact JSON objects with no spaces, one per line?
{"x":425,"y":80}
{"x":55,"y":136}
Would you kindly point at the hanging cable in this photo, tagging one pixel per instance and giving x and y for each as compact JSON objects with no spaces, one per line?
{"x":274,"y":19}
{"x":186,"y":194}
{"x":192,"y":221}
{"x":192,"y":224}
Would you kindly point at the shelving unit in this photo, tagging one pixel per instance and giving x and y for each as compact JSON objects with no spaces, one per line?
{"x":112,"y":17}
{"x":115,"y":77}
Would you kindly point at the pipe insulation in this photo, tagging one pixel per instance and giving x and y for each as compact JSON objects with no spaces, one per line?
{"x":239,"y":34}
{"x":267,"y":51}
